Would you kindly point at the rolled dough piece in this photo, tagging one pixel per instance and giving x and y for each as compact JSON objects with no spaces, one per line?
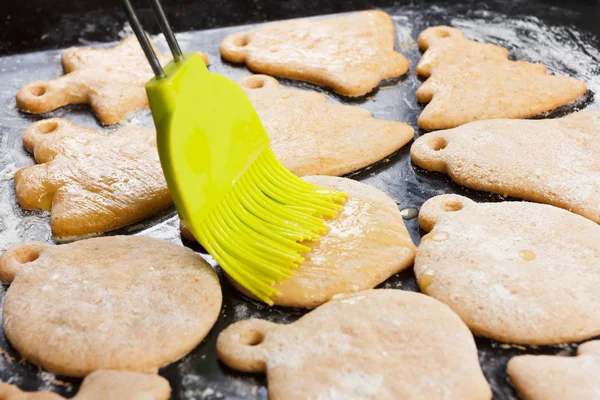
{"x":367,"y":243}
{"x":313,"y":137}
{"x":90,"y":181}
{"x":471,"y":81}
{"x":110,"y":80}
{"x":121,"y":302}
{"x":375,"y":344}
{"x":516,"y":272}
{"x":558,"y":378}
{"x":103,"y":385}
{"x":350,"y":54}
{"x":554,"y":161}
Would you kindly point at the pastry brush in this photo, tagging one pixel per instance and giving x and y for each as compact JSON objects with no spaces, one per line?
{"x":245,"y":208}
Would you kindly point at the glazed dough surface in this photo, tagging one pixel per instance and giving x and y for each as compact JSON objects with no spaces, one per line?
{"x":91,"y":182}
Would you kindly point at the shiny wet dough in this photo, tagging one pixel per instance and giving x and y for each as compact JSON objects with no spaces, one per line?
{"x":91,"y":182}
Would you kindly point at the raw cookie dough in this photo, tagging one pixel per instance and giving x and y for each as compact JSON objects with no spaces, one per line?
{"x":516,"y":272}
{"x":367,"y":243}
{"x":472,"y":81}
{"x":350,"y":54}
{"x":91,"y":182}
{"x":103,"y":385}
{"x":110,"y":80}
{"x":121,"y":302}
{"x":375,"y":344}
{"x":313,"y":137}
{"x":554,"y":161}
{"x":558,"y":378}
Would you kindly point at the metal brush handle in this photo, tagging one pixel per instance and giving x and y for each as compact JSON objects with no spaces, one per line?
{"x":143,"y":39}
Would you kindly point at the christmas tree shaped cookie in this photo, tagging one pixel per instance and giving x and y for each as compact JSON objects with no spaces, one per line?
{"x":470,"y":81}
{"x":91,"y":182}
{"x":313,"y":137}
{"x":349,"y":54}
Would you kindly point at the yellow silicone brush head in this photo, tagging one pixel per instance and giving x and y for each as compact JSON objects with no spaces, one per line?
{"x":241,"y":204}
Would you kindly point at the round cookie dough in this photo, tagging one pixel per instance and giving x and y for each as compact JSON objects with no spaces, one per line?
{"x":122,"y":302}
{"x":367,"y":243}
{"x":513,"y":271}
{"x":375,"y":344}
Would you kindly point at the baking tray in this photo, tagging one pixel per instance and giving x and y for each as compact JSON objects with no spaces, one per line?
{"x":566,"y":40}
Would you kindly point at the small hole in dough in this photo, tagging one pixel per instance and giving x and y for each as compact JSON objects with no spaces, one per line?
{"x":253,"y":338}
{"x":48,"y":127}
{"x":241,"y":41}
{"x":453,"y":206}
{"x":38,"y":90}
{"x":439,"y":143}
{"x":443,"y":34}
{"x":256,"y":83}
{"x":25,"y":256}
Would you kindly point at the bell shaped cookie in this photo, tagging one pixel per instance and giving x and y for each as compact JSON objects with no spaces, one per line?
{"x":350,"y":54}
{"x":375,"y":344}
{"x":553,"y":161}
{"x":513,"y":271}
{"x":110,"y":80}
{"x":558,"y":378}
{"x":367,"y":243}
{"x":91,"y":182}
{"x":471,"y":81}
{"x":313,"y":137}
{"x":127,"y":303}
{"x":101,"y":385}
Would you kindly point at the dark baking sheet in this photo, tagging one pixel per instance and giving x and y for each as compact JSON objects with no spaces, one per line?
{"x":565,"y":39}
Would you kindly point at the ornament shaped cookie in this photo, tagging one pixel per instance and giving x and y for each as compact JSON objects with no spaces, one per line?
{"x":110,"y":80}
{"x":470,"y":81}
{"x":121,"y":302}
{"x":101,"y":385}
{"x":375,"y":344}
{"x":553,"y":161}
{"x":313,"y":137}
{"x":350,"y":54}
{"x":91,"y":182}
{"x":558,"y":378}
{"x":367,"y":243}
{"x":515,"y":272}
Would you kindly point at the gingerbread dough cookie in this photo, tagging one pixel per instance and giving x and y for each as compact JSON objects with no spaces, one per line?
{"x":516,"y":272}
{"x":375,"y":344}
{"x":367,"y":243}
{"x":349,"y":54}
{"x":101,"y":385}
{"x":313,"y":137}
{"x":558,"y":378}
{"x":473,"y":81}
{"x":554,"y":161}
{"x":110,"y":80}
{"x":122,"y":302}
{"x":91,"y":182}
